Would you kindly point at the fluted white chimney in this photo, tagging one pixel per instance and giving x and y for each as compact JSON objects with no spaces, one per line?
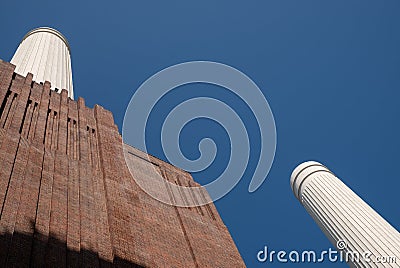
{"x":46,"y":54}
{"x":348,"y":222}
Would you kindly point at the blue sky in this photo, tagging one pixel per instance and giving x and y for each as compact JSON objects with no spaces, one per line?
{"x":329,"y":69}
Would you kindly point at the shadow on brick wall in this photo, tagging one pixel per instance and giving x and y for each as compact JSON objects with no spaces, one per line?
{"x":38,"y":250}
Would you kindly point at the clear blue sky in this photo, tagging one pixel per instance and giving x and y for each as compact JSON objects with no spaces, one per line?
{"x":329,"y":69}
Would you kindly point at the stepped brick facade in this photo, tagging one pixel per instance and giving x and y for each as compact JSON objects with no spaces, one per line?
{"x":68,"y":199}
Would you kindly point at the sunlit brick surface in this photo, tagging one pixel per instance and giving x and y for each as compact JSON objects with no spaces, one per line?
{"x":67,"y":197}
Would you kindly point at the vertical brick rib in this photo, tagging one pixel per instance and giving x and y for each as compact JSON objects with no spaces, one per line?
{"x":56,"y":251}
{"x":27,"y":119}
{"x":55,"y":131}
{"x":25,"y":222}
{"x":195,"y":199}
{"x":54,"y":106}
{"x":5,"y":108}
{"x":74,"y":221}
{"x":62,"y":127}
{"x":49,"y":129}
{"x":110,"y":168}
{"x":87,"y":204}
{"x":35,"y":96}
{"x":14,"y":160}
{"x":76,"y":139}
{"x":41,"y":124}
{"x":74,"y":232}
{"x":9,"y":110}
{"x":6,"y":74}
{"x":28,"y":199}
{"x":104,"y":244}
{"x":21,"y":105}
{"x":208,"y":207}
{"x":42,"y":222}
{"x":22,"y":244}
{"x":9,"y":147}
{"x":35,"y":115}
{"x":172,"y":197}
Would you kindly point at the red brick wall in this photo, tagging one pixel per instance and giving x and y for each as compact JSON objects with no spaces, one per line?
{"x":67,"y":197}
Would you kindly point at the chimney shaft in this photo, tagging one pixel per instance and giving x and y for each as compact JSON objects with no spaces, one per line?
{"x":45,"y":53}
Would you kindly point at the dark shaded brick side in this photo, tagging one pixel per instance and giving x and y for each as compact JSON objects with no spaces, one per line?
{"x":68,"y":199}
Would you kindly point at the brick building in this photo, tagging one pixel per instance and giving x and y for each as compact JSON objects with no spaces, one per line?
{"x":68,"y":199}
